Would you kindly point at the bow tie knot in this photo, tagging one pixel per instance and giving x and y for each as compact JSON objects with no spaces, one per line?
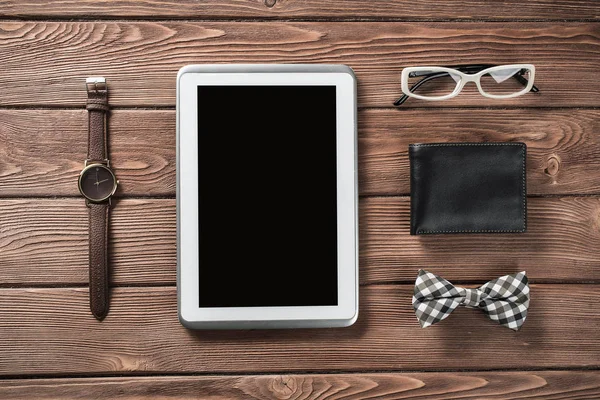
{"x":504,"y":300}
{"x":470,"y":297}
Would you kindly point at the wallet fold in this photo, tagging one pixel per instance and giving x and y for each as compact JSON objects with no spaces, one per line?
{"x":468,"y":188}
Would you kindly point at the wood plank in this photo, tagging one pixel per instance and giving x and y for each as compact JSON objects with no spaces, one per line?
{"x":45,"y":148}
{"x":562,"y":239}
{"x":141,"y":334}
{"x":388,"y":9}
{"x":563,"y":148}
{"x":141,"y":59}
{"x":541,"y":385}
{"x":44,"y":242}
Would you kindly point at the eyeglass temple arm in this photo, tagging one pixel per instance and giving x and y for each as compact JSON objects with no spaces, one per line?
{"x":525,"y":82}
{"x":429,"y":76}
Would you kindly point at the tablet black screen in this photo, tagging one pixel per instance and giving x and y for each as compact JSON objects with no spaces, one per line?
{"x":267,"y":196}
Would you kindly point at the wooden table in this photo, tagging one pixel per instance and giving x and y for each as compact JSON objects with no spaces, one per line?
{"x":51,"y":346}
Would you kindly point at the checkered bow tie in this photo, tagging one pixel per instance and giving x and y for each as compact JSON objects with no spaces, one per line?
{"x":504,"y":300}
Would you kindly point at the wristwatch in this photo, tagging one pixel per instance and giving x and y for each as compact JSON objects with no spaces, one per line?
{"x":97,"y":183}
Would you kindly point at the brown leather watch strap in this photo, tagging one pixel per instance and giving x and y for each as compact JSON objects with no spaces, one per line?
{"x":97,"y":106}
{"x":99,"y":213}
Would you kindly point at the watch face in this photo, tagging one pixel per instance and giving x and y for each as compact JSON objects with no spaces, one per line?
{"x":97,"y":182}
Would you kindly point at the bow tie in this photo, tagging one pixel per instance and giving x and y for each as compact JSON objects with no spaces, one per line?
{"x":504,"y":300}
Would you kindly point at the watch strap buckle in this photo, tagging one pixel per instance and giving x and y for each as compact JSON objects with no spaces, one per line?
{"x":95,"y":84}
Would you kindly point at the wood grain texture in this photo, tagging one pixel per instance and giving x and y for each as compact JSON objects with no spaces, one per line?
{"x":563,"y":147}
{"x":50,"y":331}
{"x":140,"y":59}
{"x":562,"y":238}
{"x":45,"y":148}
{"x":532,"y":385}
{"x":388,"y":9}
{"x":44,"y":242}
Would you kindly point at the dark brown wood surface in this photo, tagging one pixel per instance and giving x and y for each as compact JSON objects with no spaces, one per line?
{"x":141,"y":334}
{"x":533,"y":385}
{"x":563,"y":148}
{"x":44,"y":242}
{"x":52,"y":348}
{"x":141,"y":59}
{"x":306,"y":9}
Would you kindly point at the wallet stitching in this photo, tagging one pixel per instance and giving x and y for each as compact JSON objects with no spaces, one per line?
{"x":523,"y":184}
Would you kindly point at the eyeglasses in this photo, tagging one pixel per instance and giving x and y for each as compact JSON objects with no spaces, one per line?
{"x":441,"y":83}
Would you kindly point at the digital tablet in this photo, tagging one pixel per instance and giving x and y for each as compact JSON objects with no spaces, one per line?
{"x":267,"y":196}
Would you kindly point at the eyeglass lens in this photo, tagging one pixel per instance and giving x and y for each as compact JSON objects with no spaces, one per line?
{"x":505,"y":81}
{"x":434,"y":84}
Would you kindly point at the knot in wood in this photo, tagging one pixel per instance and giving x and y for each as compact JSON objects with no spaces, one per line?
{"x":283,"y":386}
{"x":552,"y":165}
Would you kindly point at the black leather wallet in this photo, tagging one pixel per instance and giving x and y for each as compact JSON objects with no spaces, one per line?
{"x":467,"y":188}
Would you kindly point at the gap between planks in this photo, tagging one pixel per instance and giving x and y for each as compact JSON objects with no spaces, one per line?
{"x":42,"y":107}
{"x":362,"y":196}
{"x":137,"y":374}
{"x":104,"y":18}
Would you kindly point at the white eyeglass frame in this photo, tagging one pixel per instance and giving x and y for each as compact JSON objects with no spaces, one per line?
{"x":465,"y":78}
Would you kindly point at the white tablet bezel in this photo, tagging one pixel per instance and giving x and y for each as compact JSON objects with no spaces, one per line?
{"x":188,"y":80}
